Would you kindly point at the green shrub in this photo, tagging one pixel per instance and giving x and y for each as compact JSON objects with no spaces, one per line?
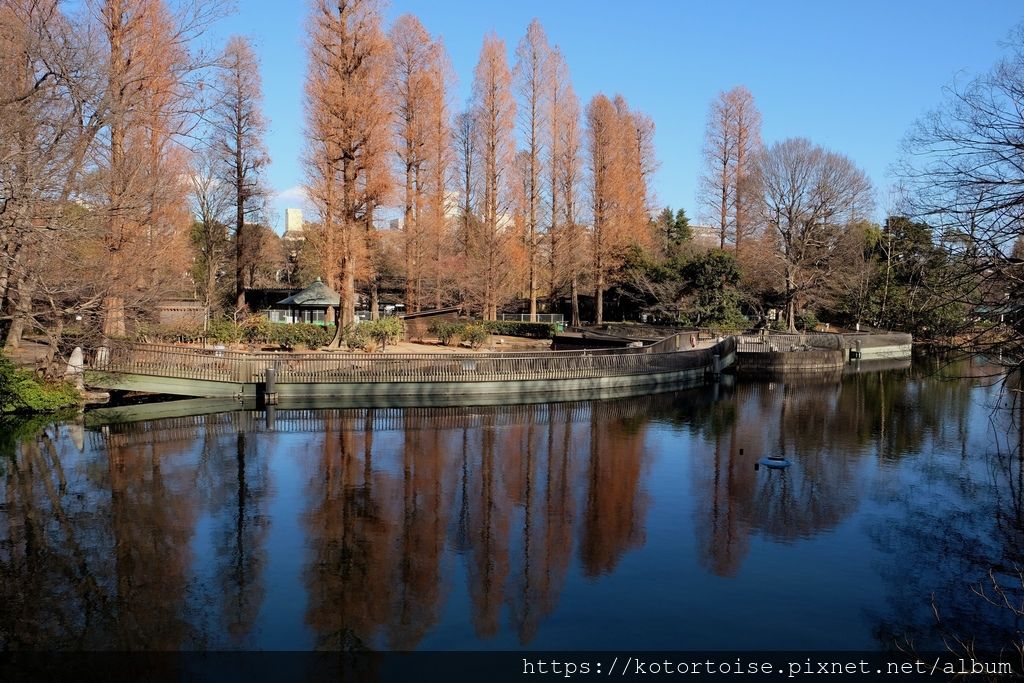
{"x":446,"y":331}
{"x":290,"y":336}
{"x":516,"y":328}
{"x":8,"y":382}
{"x":807,"y":321}
{"x":256,"y":329}
{"x":386,"y":330}
{"x":355,"y":337}
{"x":475,"y":334}
{"x":224,"y":331}
{"x":21,"y":391}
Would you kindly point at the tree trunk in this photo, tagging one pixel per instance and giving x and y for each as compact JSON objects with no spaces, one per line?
{"x":374,"y":300}
{"x":240,"y":236}
{"x":347,"y":309}
{"x":11,"y":257}
{"x":533,"y":285}
{"x":211,"y":286}
{"x":723,"y":218}
{"x":407,"y":228}
{"x":113,"y":317}
{"x":790,"y":301}
{"x":22,"y":315}
{"x":53,"y":336}
{"x":574,"y":297}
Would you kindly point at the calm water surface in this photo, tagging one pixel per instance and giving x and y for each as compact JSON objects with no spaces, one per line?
{"x":624,"y":524}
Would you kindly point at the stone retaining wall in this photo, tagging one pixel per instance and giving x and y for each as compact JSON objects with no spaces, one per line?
{"x":766,"y":363}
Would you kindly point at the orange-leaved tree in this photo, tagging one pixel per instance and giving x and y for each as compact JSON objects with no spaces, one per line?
{"x":348,"y":136}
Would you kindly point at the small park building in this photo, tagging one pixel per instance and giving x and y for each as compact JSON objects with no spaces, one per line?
{"x":316,"y":304}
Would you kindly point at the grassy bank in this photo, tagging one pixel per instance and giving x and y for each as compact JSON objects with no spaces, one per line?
{"x":21,"y":391}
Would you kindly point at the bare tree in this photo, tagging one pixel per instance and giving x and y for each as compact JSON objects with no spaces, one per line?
{"x":566,"y":238}
{"x":439,"y":166}
{"x":148,"y":107}
{"x":810,"y":198}
{"x":411,"y":58}
{"x":732,"y":142}
{"x":604,"y":146}
{"x":621,"y":160}
{"x":211,"y":202}
{"x":466,"y":152}
{"x":238,"y":126}
{"x":638,"y":164}
{"x":533,"y":75}
{"x":348,"y":136}
{"x":44,"y":126}
{"x":964,"y":176}
{"x":494,"y":111}
{"x":113,"y":96}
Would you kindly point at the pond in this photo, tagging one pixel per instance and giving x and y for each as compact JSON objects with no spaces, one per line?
{"x":639,"y":523}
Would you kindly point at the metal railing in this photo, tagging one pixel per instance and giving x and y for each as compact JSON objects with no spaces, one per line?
{"x":525,"y":317}
{"x":250,"y":368}
{"x":777,"y":343}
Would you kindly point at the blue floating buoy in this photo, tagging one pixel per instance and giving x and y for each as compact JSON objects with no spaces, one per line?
{"x":775,"y":462}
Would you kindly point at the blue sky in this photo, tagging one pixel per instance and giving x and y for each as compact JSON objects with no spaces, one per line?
{"x":852,"y":76}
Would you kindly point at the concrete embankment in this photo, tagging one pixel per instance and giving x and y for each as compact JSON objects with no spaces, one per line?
{"x":770,"y":355}
{"x":873,"y":346}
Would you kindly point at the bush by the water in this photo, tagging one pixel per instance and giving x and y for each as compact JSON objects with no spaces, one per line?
{"x":22,"y":391}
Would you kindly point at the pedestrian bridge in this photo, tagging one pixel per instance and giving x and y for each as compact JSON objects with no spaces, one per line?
{"x":404,"y":377}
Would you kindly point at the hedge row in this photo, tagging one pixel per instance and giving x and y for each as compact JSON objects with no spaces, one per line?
{"x":476,"y":332}
{"x":258,"y":330}
{"x":516,"y":328}
{"x":253,"y":330}
{"x":448,"y":333}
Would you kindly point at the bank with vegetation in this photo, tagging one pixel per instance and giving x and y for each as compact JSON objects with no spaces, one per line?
{"x":23,"y":391}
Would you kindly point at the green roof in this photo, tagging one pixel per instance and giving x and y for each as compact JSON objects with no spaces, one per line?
{"x":317,"y":294}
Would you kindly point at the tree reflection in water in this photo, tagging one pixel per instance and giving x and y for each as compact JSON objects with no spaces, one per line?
{"x":159,"y":534}
{"x":513,"y":482}
{"x":954,"y":522}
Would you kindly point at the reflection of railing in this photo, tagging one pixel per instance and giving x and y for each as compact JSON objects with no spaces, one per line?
{"x":186,"y":428}
{"x":250,"y":368}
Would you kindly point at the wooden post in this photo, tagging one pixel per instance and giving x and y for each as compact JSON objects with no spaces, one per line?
{"x":270,"y":387}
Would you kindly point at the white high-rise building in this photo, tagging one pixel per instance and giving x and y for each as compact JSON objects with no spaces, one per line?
{"x":293,"y":224}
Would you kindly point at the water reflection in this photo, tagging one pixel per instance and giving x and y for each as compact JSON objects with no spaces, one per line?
{"x":171,"y":533}
{"x":954,"y":530}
